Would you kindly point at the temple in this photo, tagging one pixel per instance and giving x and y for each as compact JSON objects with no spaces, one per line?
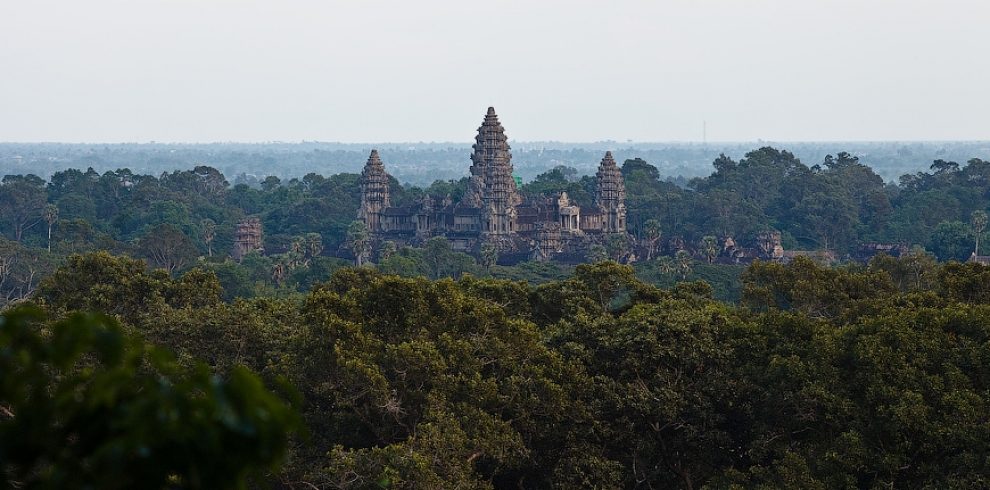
{"x":492,"y":209}
{"x":247,"y":238}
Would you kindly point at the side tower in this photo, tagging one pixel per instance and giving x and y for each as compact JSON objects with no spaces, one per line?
{"x":247,"y":238}
{"x":610,"y":195}
{"x":374,"y":193}
{"x":492,"y":187}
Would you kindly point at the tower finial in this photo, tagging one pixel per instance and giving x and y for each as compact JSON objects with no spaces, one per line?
{"x":373,"y":158}
{"x":491,"y":111}
{"x":608,"y":161}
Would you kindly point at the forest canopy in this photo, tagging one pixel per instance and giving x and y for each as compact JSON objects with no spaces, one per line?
{"x":135,"y":351}
{"x":187,"y":218}
{"x":858,"y":376}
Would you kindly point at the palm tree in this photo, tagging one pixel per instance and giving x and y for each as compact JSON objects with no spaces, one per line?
{"x":359,"y":240}
{"x":387,"y":249}
{"x":709,"y":246}
{"x":278,"y":273}
{"x":314,"y":244}
{"x":683,"y":262}
{"x":50,"y":216}
{"x":489,"y":255}
{"x":665,"y":265}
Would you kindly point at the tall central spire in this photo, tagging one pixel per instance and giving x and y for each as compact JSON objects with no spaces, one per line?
{"x":374,"y":192}
{"x":610,"y":194}
{"x":492,"y":185}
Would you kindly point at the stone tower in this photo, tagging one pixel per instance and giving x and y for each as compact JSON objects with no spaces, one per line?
{"x":492,"y":187}
{"x":610,"y":195}
{"x":374,"y":193}
{"x":247,"y":238}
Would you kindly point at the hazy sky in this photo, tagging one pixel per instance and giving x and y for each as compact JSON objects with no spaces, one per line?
{"x":571,"y":70}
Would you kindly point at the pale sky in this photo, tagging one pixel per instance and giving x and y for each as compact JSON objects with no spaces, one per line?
{"x":568,"y":70}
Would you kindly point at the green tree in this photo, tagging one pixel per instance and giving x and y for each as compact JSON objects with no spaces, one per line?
{"x":168,"y":247}
{"x":86,"y":406}
{"x":979,"y":223}
{"x":617,"y":245}
{"x":314,"y":245}
{"x":489,"y":255}
{"x":208,"y":230}
{"x":952,"y":240}
{"x":437,"y":254}
{"x":50,"y":216}
{"x":683,"y":262}
{"x":387,"y":249}
{"x":359,"y":241}
{"x":597,"y":253}
{"x":22,"y":199}
{"x":666,"y":265}
{"x":652,"y":233}
{"x":270,"y":183}
{"x":709,"y":246}
{"x":123,"y":287}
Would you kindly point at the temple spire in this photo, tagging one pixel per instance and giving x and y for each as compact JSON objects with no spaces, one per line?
{"x":492,"y":186}
{"x":374,"y":192}
{"x":374,"y":159}
{"x":610,"y":194}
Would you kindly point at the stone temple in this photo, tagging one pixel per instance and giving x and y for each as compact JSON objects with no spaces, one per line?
{"x":493,"y":211}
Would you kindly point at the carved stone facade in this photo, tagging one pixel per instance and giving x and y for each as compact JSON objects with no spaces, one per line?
{"x":610,"y":195}
{"x":374,"y":193}
{"x":492,"y":209}
{"x":247,"y":238}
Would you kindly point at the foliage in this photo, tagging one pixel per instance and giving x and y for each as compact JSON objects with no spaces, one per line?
{"x":432,"y":369}
{"x":123,"y":287}
{"x":857,"y":376}
{"x":83,"y":405}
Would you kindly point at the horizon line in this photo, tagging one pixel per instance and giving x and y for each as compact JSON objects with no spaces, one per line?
{"x":468,"y":143}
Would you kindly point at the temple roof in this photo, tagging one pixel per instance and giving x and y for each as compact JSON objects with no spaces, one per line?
{"x":492,"y":164}
{"x":610,"y":188}
{"x":400,"y":211}
{"x":374,"y":169}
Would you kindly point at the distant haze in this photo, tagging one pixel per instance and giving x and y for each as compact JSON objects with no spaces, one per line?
{"x":365,"y":71}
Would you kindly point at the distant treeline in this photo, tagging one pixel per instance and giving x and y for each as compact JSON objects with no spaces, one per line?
{"x":422,"y":163}
{"x":182,"y":218}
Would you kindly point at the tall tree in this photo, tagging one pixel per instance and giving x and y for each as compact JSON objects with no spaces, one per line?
{"x":387,"y":249}
{"x":168,"y":247}
{"x":652,"y":233}
{"x":951,"y":240}
{"x":597,"y":253}
{"x":489,"y":255}
{"x":436,"y":253}
{"x":208,"y":229}
{"x":22,"y":199}
{"x":979,"y":223}
{"x":617,"y":246}
{"x":359,"y":241}
{"x":51,"y":216}
{"x":683,"y":261}
{"x":314,"y":245}
{"x":709,"y":246}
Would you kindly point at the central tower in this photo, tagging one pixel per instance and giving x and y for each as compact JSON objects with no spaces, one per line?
{"x":492,"y":187}
{"x":610,"y":195}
